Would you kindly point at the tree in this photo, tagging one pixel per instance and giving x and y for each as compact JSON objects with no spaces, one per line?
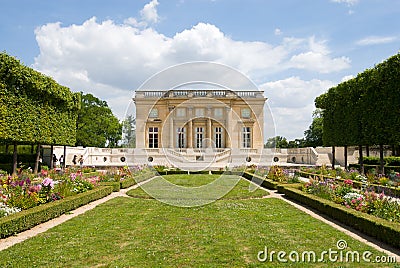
{"x":297,"y":143}
{"x":34,"y":109}
{"x":313,"y":136}
{"x":364,"y":110}
{"x":96,"y":125}
{"x":129,"y":132}
{"x":276,"y":142}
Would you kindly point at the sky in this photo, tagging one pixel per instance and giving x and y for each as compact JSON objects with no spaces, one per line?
{"x":293,"y":50}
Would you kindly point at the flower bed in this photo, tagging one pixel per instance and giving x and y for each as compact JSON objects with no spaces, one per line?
{"x":121,"y":178}
{"x":359,"y":182}
{"x":26,"y":219}
{"x":390,"y":179}
{"x":365,"y":200}
{"x":27,"y":190}
{"x":381,"y":229}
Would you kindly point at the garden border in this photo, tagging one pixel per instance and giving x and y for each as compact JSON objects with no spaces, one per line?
{"x":29,"y":218}
{"x":381,"y":229}
{"x":392,"y":191}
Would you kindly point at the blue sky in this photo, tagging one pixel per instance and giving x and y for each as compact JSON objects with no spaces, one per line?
{"x":293,"y":50}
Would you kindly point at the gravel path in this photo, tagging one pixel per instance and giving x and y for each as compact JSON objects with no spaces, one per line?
{"x":10,"y":241}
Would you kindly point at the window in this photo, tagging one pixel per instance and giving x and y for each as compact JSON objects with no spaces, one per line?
{"x":181,"y":112}
{"x":218,"y":137}
{"x":181,"y":137}
{"x":246,"y":113}
{"x":199,"y":137}
{"x":246,"y":137}
{"x":218,"y":112}
{"x":199,"y":112}
{"x":153,"y":113}
{"x":153,"y":137}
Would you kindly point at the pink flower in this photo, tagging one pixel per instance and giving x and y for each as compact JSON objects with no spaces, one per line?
{"x":35,"y":188}
{"x":72,"y":176}
{"x":48,"y":182}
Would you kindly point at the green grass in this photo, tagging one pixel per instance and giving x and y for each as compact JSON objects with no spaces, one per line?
{"x":222,"y":187}
{"x":137,"y":232}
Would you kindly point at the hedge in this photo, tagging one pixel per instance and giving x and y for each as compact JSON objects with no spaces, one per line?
{"x":34,"y":108}
{"x":264,"y":182}
{"x":389,"y":160}
{"x":25,"y":158}
{"x":127,"y":183}
{"x":377,"y":167}
{"x":27,"y":219}
{"x":115,"y":185}
{"x":381,"y":229}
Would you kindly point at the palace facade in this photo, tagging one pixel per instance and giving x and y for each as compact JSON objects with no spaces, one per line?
{"x":195,"y":128}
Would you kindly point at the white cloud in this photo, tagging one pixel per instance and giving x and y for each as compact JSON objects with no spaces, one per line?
{"x":376,"y":40}
{"x":347,"y":77}
{"x":347,"y":2}
{"x":149,"y":12}
{"x":278,"y":31}
{"x":318,"y":59}
{"x":292,"y":103}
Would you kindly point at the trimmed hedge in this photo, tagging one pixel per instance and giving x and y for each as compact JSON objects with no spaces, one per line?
{"x":127,"y":183}
{"x":25,"y":158}
{"x":115,"y":185}
{"x":381,"y":229}
{"x":377,"y":167}
{"x":34,"y":108}
{"x":27,"y":219}
{"x":264,"y":182}
{"x":375,"y":161}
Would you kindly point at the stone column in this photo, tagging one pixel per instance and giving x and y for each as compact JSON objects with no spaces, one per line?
{"x":190,"y":134}
{"x":209,"y":133}
{"x":171,"y":133}
{"x":228,"y":136}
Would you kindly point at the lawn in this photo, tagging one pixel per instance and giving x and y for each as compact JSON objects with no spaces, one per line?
{"x":139,"y":232}
{"x":191,"y":190}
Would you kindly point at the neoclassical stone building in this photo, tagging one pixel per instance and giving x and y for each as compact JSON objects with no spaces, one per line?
{"x":195,"y":128}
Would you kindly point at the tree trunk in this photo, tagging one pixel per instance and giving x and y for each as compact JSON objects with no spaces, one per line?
{"x":37,"y":160}
{"x":7,"y":147}
{"x":361,"y":160}
{"x":333,"y":157}
{"x":393,"y":150}
{"x":15,"y":158}
{"x":51,"y":157}
{"x":381,"y":162}
{"x":65,"y":156}
{"x":345,"y":157}
{"x":367,"y":149}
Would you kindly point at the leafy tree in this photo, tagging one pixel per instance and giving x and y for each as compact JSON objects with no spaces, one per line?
{"x":313,"y":136}
{"x":297,"y":143}
{"x":96,"y":125}
{"x":276,"y":142}
{"x":129,"y":132}
{"x":34,"y":109}
{"x":364,"y":110}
